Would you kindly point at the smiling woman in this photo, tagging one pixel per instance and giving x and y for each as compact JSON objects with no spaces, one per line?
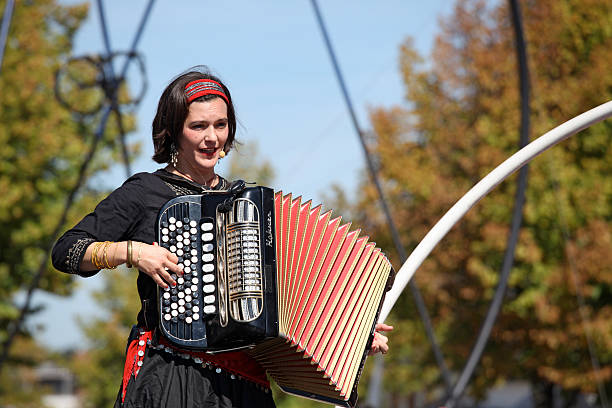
{"x":193,"y":128}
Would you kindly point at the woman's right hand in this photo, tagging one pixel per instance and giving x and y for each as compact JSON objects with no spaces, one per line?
{"x":157,"y":262}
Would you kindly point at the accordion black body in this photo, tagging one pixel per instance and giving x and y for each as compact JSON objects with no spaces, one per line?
{"x":230,"y":270}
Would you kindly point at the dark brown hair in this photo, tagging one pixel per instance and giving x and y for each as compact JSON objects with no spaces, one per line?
{"x":172,"y":110}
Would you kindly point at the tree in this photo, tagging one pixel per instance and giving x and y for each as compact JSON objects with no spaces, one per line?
{"x":43,"y":148}
{"x":460,"y":121}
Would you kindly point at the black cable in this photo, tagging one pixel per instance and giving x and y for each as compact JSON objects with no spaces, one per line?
{"x":4,"y":28}
{"x":16,"y":324}
{"x":116,"y":82}
{"x":517,"y":216}
{"x":418,"y":299}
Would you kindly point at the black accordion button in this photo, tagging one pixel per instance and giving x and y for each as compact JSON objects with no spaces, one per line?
{"x":174,"y":298}
{"x":196,"y":301}
{"x":188,"y":305}
{"x":175,"y":320}
{"x":188,"y":313}
{"x":164,"y":224}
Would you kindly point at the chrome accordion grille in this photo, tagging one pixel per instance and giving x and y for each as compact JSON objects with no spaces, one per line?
{"x":242,"y":262}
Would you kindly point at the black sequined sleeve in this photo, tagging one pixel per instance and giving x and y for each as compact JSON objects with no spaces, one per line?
{"x":113,"y":220}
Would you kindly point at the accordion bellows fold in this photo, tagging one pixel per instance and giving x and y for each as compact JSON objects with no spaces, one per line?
{"x":331,"y":282}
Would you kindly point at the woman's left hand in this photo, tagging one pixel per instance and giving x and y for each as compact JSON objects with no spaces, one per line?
{"x":379,"y":344}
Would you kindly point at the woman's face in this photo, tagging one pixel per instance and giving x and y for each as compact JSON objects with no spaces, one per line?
{"x":205,"y":132}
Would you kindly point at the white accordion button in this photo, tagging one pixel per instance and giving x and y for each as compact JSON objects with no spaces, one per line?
{"x":179,"y":224}
{"x":179,"y":245}
{"x":193,"y":231}
{"x":209,"y":299}
{"x":181,"y":309}
{"x":209,"y":309}
{"x":195,"y":251}
{"x":171,"y":220}
{"x":187,"y":269}
{"x":179,"y":252}
{"x":165,"y":231}
{"x":181,"y":295}
{"x":207,"y":226}
{"x":194,"y":288}
{"x":180,"y":281}
{"x":167,"y":295}
{"x":186,"y":234}
{"x":188,"y":320}
{"x":187,"y":262}
{"x":172,"y":227}
{"x":174,"y":313}
{"x":167,"y":316}
{"x":179,"y":238}
{"x":196,"y":309}
{"x":196,"y":316}
{"x":173,"y":305}
{"x":208,"y":278}
{"x":187,"y":291}
{"x":194,"y":259}
{"x":187,"y":298}
{"x":207,"y":236}
{"x":165,"y":238}
{"x":208,"y":288}
{"x":172,"y":248}
{"x":194,"y":281}
{"x":208,"y":268}
{"x":181,"y":302}
{"x":207,"y":247}
{"x":207,"y":257}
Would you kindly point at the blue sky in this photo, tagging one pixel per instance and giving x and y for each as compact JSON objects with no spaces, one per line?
{"x":272,"y":56}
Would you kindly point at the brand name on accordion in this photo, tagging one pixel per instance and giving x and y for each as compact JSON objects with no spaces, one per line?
{"x":269,"y":239}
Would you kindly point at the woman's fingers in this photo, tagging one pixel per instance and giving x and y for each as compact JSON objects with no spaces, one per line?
{"x":383,"y":327}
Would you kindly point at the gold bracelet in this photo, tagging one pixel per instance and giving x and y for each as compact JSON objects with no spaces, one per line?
{"x":106,"y":263}
{"x":95,"y":260}
{"x":128,"y":263}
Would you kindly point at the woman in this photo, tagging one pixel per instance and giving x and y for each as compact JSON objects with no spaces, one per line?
{"x":194,"y":127}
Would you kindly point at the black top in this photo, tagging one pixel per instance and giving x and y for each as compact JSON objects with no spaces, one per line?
{"x":128,"y":213}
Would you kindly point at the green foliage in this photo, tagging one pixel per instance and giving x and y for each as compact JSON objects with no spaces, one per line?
{"x":246,"y":165}
{"x":43,"y":146}
{"x":461,"y":121}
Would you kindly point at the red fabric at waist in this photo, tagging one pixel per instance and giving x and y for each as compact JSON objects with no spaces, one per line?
{"x":235,"y":362}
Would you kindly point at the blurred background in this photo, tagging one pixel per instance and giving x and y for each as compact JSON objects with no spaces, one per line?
{"x":435,"y":88}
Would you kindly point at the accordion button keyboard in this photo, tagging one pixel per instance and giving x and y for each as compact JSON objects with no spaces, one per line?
{"x":172,"y":227}
{"x":209,"y":299}
{"x":207,"y":236}
{"x":207,"y":226}
{"x":208,"y":278}
{"x":196,"y":316}
{"x":178,"y":224}
{"x":207,"y":247}
{"x":181,"y":309}
{"x":196,"y":309}
{"x":208,"y":288}
{"x":172,"y":248}
{"x":187,"y":291}
{"x":209,"y":309}
{"x":173,"y":306}
{"x":181,"y":295}
{"x":188,"y":320}
{"x":174,"y":313}
{"x":188,"y":300}
{"x":181,"y":302}
{"x":194,"y":288}
{"x":167,"y":316}
{"x":208,"y":268}
{"x":194,"y":281}
{"x":208,"y":257}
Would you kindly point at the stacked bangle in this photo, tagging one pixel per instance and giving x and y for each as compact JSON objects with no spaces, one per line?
{"x":100,"y":261}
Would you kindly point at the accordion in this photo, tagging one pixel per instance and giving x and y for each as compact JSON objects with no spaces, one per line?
{"x":280,"y":278}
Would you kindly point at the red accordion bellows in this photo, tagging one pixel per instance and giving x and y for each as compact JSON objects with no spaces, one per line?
{"x":331,"y":283}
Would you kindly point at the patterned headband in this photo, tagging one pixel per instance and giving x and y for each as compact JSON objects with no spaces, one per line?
{"x":201,"y":87}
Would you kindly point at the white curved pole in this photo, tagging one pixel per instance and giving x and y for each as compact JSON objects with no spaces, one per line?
{"x":482,"y":188}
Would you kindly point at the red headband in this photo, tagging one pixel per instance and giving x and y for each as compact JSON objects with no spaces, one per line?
{"x":201,"y":87}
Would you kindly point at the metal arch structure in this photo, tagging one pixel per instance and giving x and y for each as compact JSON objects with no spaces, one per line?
{"x":107,"y":109}
{"x":454,"y":392}
{"x":416,"y":293}
{"x":454,"y":397}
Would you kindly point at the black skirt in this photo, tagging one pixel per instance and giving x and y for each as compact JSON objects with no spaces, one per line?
{"x":167,"y":380}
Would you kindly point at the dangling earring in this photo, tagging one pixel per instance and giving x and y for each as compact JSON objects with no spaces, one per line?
{"x":222,"y":154}
{"x":173,"y":155}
